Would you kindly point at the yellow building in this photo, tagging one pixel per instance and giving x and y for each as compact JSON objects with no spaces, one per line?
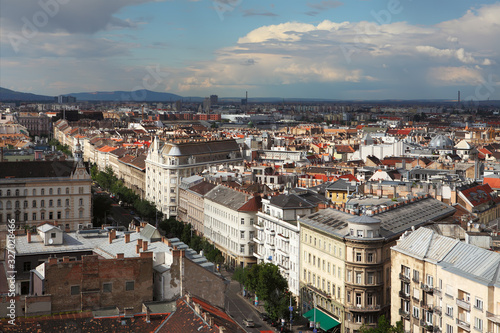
{"x":339,"y":191}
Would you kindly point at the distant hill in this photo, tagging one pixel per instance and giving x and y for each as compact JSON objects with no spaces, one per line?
{"x":8,"y":95}
{"x":124,"y":96}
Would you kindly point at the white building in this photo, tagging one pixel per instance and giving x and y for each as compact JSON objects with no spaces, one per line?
{"x":169,"y":162}
{"x":230,"y":215}
{"x":278,"y":234}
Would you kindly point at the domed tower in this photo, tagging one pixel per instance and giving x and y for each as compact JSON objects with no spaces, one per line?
{"x":78,"y":152}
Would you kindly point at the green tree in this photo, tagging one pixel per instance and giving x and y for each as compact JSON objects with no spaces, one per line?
{"x":383,"y":326}
{"x":101,"y":206}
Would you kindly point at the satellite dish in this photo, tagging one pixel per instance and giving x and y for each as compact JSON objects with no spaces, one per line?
{"x":51,"y":241}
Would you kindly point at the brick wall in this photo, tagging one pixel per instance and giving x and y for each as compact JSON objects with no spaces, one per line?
{"x":90,"y":274}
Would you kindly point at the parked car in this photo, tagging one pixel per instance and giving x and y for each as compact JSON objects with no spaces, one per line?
{"x":264,"y":316}
{"x":248,"y":323}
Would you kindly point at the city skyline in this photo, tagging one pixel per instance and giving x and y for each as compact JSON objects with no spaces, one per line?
{"x":318,"y":49}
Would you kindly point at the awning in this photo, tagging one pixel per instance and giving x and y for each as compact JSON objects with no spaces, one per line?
{"x":325,"y":321}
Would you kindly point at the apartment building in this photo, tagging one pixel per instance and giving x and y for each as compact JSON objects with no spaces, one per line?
{"x":443,"y":285}
{"x":230,"y":215}
{"x":354,"y":257}
{"x":191,"y":202}
{"x":168,"y":162}
{"x":277,"y":234}
{"x":40,"y":191}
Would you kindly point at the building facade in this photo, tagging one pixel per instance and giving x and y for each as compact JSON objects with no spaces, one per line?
{"x":40,"y":191}
{"x":444,"y":285}
{"x":168,"y":162}
{"x":230,"y":215}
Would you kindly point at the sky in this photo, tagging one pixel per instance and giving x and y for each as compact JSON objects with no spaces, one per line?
{"x":330,"y":49}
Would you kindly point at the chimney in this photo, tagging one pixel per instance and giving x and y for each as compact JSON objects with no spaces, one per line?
{"x":120,"y":256}
{"x":28,"y":234}
{"x":144,"y":246}
{"x":138,"y":229}
{"x":127,"y":238}
{"x":111,"y":236}
{"x":65,"y":259}
{"x":52,"y":261}
{"x":137,"y":249}
{"x":148,"y":315}
{"x":222,"y":329}
{"x":139,"y":242}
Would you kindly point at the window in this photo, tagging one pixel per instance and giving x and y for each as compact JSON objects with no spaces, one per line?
{"x":370,"y":234}
{"x":53,"y":235}
{"x":42,"y":203}
{"x":358,"y":256}
{"x":416,"y":275}
{"x":50,"y":191}
{"x":51,"y":215}
{"x":369,"y":257}
{"x":242,"y":234}
{"x":58,"y":215}
{"x":449,"y":328}
{"x":80,"y":202}
{"x":351,"y":232}
{"x":358,"y":278}
{"x":17,"y":204}
{"x":107,"y":287}
{"x":8,"y":193}
{"x":80,"y":190}
{"x":34,"y":191}
{"x":406,"y":271}
{"x":129,"y":285}
{"x":348,"y":295}
{"x":430,"y":280}
{"x":75,"y":290}
{"x":25,"y":204}
{"x":80,"y":214}
{"x":358,"y":299}
{"x":416,"y":312}
{"x":370,"y":278}
{"x":59,"y":190}
{"x":348,"y":277}
{"x":428,"y":317}
{"x":358,"y":318}
{"x":360,"y":233}
{"x":449,"y":310}
{"x":242,"y":220}
{"x":51,"y":203}
{"x":67,"y":190}
{"x":58,"y":202}
{"x":479,"y":303}
{"x":478,"y":323}
{"x":369,"y":299}
{"x":27,"y":266}
{"x":42,"y":216}
{"x":34,"y":216}
{"x":67,"y":202}
{"x":25,"y":216}
{"x":42,"y":191}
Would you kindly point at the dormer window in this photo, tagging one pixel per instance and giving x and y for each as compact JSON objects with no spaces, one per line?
{"x":360,"y":233}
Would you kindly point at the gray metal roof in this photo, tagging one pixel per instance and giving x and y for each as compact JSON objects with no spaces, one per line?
{"x":227,"y":197}
{"x":463,"y":259}
{"x":393,"y":222}
{"x":72,"y":242}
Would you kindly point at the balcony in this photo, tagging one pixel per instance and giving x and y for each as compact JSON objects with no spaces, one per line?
{"x":284,"y":238}
{"x":364,"y":308}
{"x":428,"y":307}
{"x":270,"y":232}
{"x":436,"y":329}
{"x":259,"y":226}
{"x":426,"y":326}
{"x":463,"y":304}
{"x":258,"y":256}
{"x":284,"y":268}
{"x":404,"y":314}
{"x":416,"y":280}
{"x":492,"y":317}
{"x":437,"y":310}
{"x":257,"y":240}
{"x":427,"y":288}
{"x":437,"y":291}
{"x":404,"y":295}
{"x":404,"y":277}
{"x":283,"y":252}
{"x":463,"y":325}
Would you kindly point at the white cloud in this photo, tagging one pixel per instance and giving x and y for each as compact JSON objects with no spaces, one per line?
{"x":455,"y":76}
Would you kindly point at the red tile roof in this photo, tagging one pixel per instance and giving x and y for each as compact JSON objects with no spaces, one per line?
{"x":494,"y":183}
{"x":478,"y":195}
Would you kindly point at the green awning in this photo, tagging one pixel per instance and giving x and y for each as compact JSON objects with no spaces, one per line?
{"x":325,"y":321}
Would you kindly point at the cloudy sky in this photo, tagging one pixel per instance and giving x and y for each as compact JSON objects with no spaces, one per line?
{"x":358,"y":49}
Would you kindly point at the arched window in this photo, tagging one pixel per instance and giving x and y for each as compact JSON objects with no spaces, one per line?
{"x":81,"y":202}
{"x":59,"y":190}
{"x":42,"y":203}
{"x":34,"y":191}
{"x":25,"y":192}
{"x":8,"y":193}
{"x":34,"y":204}
{"x":17,"y":192}
{"x":25,"y":204}
{"x":51,"y":203}
{"x":67,"y":190}
{"x":50,"y":191}
{"x":67,"y":202}
{"x":17,"y":205}
{"x":8,"y":205}
{"x":58,"y":202}
{"x":43,"y":191}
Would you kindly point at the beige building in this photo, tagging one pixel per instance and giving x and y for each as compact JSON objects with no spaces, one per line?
{"x":444,"y":285}
{"x":362,"y":291}
{"x":191,"y":202}
{"x":169,"y":162}
{"x":39,"y":191}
